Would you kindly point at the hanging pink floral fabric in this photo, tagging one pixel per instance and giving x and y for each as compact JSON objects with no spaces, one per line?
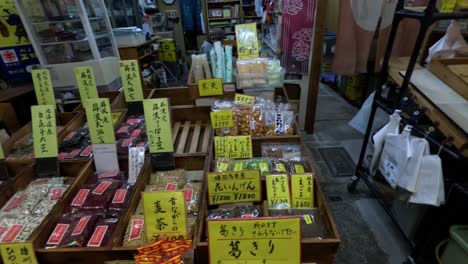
{"x":296,"y":35}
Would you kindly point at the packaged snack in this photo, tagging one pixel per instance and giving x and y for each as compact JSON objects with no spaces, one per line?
{"x":241,"y":211}
{"x":279,"y":166}
{"x":222,"y":165}
{"x":284,"y":151}
{"x":123,"y":144}
{"x":95,"y":197}
{"x":240,"y":165}
{"x":104,"y":176}
{"x":48,"y":202}
{"x":18,"y":228}
{"x":72,"y":231}
{"x":125,"y":130}
{"x":192,"y":192}
{"x":219,"y":105}
{"x":103,"y":231}
{"x":120,"y":200}
{"x":163,"y":177}
{"x":137,"y":121}
{"x":262,"y":164}
{"x":135,"y":234}
{"x":297,"y":167}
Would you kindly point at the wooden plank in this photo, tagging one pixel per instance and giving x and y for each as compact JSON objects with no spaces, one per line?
{"x":453,"y":72}
{"x":316,"y":63}
{"x":175,"y":131}
{"x":206,"y":138}
{"x":195,"y":137}
{"x":183,"y":138}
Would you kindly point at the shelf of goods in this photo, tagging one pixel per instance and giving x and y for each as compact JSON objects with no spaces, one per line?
{"x":194,"y":158}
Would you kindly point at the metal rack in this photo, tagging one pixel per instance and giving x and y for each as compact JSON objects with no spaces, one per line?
{"x":426,"y":17}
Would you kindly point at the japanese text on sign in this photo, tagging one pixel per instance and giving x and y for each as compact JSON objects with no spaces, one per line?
{"x":278,"y":193}
{"x":234,"y":187}
{"x":44,"y":131}
{"x":221,"y":119}
{"x":131,"y":80}
{"x":165,"y":215}
{"x":158,"y":125}
{"x":242,"y":99}
{"x":100,"y":121}
{"x":302,"y":190}
{"x":86,"y":83}
{"x":115,"y":117}
{"x":236,"y":147}
{"x":247,"y":41}
{"x":255,"y":241}
{"x":18,"y":253}
{"x":43,"y":87}
{"x":210,"y":87}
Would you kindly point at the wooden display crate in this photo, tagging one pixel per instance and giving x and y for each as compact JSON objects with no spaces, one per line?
{"x":75,"y":170}
{"x":63,"y":119}
{"x":318,"y":250}
{"x":119,"y":101}
{"x":178,"y":95}
{"x":193,"y":172}
{"x":15,"y":170}
{"x":86,"y":254}
{"x":453,"y":72}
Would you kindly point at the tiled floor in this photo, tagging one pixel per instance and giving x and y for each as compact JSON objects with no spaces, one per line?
{"x":367,"y":233}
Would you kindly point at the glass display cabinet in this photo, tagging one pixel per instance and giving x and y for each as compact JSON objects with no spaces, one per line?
{"x":72,"y":33}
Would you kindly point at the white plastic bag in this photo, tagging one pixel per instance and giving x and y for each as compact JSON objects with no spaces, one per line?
{"x":376,"y":142}
{"x":395,"y":155}
{"x":407,"y":180}
{"x":451,"y":44}
{"x":430,"y":186}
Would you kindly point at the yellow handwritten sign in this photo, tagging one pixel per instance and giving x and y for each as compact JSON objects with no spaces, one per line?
{"x":44,"y":131}
{"x":2,"y":154}
{"x":255,"y":241}
{"x":221,"y":119}
{"x":43,"y":87}
{"x":18,"y":253}
{"x":236,"y":147}
{"x":165,"y":215}
{"x":131,"y":80}
{"x":247,"y":41}
{"x":158,"y":125}
{"x":86,"y":84}
{"x":278,"y":194}
{"x":100,"y":121}
{"x":210,"y":87}
{"x":115,"y":117}
{"x":243,"y":99}
{"x":234,"y":187}
{"x":302,"y":190}
{"x":448,"y":5}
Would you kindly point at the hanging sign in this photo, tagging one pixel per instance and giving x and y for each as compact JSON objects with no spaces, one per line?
{"x":302,"y":190}
{"x":165,"y":215}
{"x":100,"y":121}
{"x":222,"y":118}
{"x":44,"y":131}
{"x":86,"y":83}
{"x":18,"y":253}
{"x":43,"y":87}
{"x":255,"y":241}
{"x":131,"y":80}
{"x":158,"y":125}
{"x":278,"y":194}
{"x":234,"y":187}
{"x":233,"y":147}
{"x":210,"y":87}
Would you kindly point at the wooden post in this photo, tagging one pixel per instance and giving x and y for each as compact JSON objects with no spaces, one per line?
{"x":315,"y":63}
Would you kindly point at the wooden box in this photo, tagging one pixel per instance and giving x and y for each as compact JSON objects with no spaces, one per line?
{"x":318,"y":250}
{"x":64,"y":119}
{"x":74,"y":170}
{"x":453,"y":72}
{"x":85,"y":254}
